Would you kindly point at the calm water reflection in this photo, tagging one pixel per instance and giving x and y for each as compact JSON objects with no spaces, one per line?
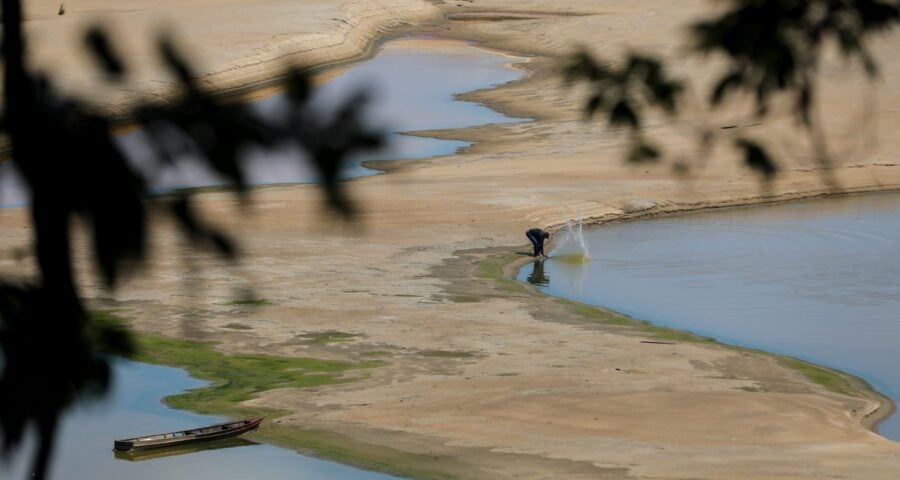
{"x":537,"y":275}
{"x":819,"y":280}
{"x":84,"y":447}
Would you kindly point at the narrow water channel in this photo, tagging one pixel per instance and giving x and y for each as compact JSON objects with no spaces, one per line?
{"x":411,"y":84}
{"x":414,"y":82}
{"x":818,"y":280}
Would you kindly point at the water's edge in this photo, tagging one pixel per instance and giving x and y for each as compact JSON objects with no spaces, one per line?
{"x":347,"y":450}
{"x":887,"y":406}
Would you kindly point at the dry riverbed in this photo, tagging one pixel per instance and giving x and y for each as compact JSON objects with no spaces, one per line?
{"x":483,"y":377}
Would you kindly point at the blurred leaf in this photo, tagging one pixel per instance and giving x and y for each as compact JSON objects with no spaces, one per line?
{"x":593,"y":104}
{"x":775,"y":45}
{"x":729,"y":82}
{"x":581,"y":66}
{"x":298,"y":85}
{"x":804,"y":103}
{"x":73,"y":166}
{"x":175,"y":62}
{"x":198,"y":232}
{"x":623,"y":92}
{"x":98,"y":44}
{"x":623,"y":114}
{"x":44,"y":372}
{"x":642,"y":152}
{"x":757,"y":158}
{"x":665,"y":95}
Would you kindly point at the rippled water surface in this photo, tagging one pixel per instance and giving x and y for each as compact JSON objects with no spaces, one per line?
{"x":819,"y":280}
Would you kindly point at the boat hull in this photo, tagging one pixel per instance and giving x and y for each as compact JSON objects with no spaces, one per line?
{"x":184,"y":437}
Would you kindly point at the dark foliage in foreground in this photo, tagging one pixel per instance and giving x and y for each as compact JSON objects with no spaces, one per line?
{"x":624,"y":92}
{"x":771,"y":47}
{"x":50,"y":352}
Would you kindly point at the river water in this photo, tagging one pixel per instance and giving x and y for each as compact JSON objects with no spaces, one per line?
{"x":84,"y":445}
{"x":818,"y":280}
{"x":411,"y":84}
{"x":414,"y":84}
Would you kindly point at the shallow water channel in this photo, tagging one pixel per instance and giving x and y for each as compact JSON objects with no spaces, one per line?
{"x":818,"y":280}
{"x":414,"y":83}
{"x":411,"y":85}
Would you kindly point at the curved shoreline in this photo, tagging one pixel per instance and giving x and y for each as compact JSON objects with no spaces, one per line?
{"x":870,"y":420}
{"x":377,"y":411}
{"x":262,"y":39}
{"x":885,"y":406}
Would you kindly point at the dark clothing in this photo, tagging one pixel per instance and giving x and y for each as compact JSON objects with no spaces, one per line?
{"x":537,"y":236}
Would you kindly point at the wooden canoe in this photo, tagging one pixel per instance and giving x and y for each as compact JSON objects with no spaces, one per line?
{"x":202,"y":434}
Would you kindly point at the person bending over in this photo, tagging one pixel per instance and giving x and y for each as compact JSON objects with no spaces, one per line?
{"x":537,"y":237}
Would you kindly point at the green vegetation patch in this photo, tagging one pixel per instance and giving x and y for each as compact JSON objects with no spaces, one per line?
{"x":326,"y":337}
{"x":238,"y":326}
{"x":830,"y":379}
{"x":233,"y":378}
{"x":463,"y":299}
{"x":494,"y":268}
{"x":257,"y":302}
{"x":664,"y":333}
{"x":612,"y":318}
{"x":597,"y":314}
{"x":446,"y":354}
{"x":237,"y":378}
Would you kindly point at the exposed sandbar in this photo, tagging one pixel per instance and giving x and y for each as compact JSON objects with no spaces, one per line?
{"x":529,"y":387}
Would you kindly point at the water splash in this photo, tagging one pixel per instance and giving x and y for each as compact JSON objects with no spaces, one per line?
{"x":568,"y":244}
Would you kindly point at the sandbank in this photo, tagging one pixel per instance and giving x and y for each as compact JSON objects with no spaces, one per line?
{"x":527,"y":386}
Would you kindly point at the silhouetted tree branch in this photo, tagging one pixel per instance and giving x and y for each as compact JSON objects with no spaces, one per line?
{"x":770,"y":47}
{"x":52,"y":353}
{"x":624,"y":92}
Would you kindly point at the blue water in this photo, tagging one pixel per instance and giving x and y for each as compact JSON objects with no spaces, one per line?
{"x":415,"y":91}
{"x":818,"y":280}
{"x":412,"y":86}
{"x":134,"y":407}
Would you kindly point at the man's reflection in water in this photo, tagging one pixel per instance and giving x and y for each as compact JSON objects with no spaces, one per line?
{"x":537,"y":276}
